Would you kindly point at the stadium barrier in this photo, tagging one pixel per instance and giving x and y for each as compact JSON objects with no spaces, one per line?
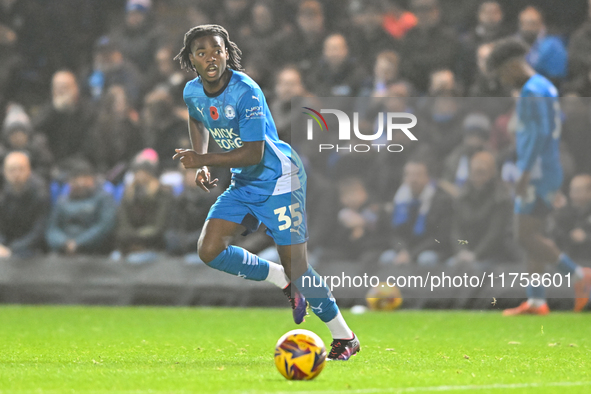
{"x":170,"y":281}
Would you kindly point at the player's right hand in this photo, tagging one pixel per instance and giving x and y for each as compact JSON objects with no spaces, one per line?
{"x":203,"y":179}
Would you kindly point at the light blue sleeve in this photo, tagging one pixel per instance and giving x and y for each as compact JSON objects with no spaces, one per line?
{"x":537,"y":127}
{"x":193,"y":113}
{"x":252,"y":115}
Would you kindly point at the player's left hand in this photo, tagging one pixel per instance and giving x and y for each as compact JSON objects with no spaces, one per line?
{"x":189,"y":158}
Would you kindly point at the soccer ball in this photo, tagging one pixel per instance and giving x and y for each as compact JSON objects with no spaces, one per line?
{"x":383,"y":298}
{"x":300,"y":355}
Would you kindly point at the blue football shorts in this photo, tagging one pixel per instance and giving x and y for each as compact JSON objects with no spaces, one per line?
{"x":284,"y":215}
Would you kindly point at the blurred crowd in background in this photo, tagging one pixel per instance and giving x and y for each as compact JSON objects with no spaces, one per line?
{"x":91,"y":111}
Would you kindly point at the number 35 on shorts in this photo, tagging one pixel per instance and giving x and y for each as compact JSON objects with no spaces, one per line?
{"x":286,"y":221}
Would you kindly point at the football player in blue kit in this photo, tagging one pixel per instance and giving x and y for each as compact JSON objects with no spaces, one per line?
{"x":537,"y":143}
{"x":268,"y":181}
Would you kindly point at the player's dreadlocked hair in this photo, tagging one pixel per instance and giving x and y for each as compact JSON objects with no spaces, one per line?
{"x":504,"y":50}
{"x":209,"y":30}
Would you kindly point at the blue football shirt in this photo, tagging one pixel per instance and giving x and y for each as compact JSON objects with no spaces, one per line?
{"x":239,"y":113}
{"x":538,"y":133}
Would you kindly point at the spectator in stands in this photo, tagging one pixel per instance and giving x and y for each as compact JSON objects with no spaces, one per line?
{"x":485,"y":85}
{"x":442,"y":83}
{"x":354,"y":228}
{"x":548,"y":54}
{"x":385,"y":72}
{"x":164,"y":130}
{"x":480,"y":232}
{"x":579,"y":59}
{"x":232,"y":13}
{"x":112,"y":68}
{"x":420,"y":220}
{"x":491,"y":24}
{"x":24,"y":206}
{"x":337,"y":73}
{"x":366,"y":33}
{"x":186,"y":219}
{"x":429,"y":46}
{"x":261,"y":41}
{"x":10,"y":64}
{"x":139,"y":36}
{"x":456,"y":170}
{"x":575,"y":130}
{"x":167,"y":74}
{"x":143,"y":214}
{"x":442,"y":115}
{"x":397,"y":100}
{"x":572,"y":224}
{"x":18,"y":135}
{"x":490,"y":27}
{"x":65,"y":120}
{"x":397,"y":21}
{"x":83,"y":222}
{"x":288,"y":85}
{"x":304,"y":46}
{"x":115,"y":137}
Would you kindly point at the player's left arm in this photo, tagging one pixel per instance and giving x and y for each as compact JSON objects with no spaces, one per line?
{"x":249,"y":154}
{"x":252,"y":124}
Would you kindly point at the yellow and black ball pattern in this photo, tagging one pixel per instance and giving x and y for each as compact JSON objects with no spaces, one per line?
{"x":300,"y":355}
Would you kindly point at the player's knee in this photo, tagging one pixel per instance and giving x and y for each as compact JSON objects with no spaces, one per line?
{"x":207,"y":252}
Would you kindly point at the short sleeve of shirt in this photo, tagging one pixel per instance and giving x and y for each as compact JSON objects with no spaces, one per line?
{"x":193,"y":113}
{"x":252,"y":116}
{"x":187,"y":94}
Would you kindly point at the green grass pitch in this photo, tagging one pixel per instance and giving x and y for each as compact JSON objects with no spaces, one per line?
{"x":208,"y":350}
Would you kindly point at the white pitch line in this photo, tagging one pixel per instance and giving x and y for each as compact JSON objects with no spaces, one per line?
{"x":391,"y":390}
{"x":402,"y":390}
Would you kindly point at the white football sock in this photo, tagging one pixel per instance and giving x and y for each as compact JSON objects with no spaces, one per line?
{"x":277,"y":275}
{"x":339,"y":328}
{"x":536,"y":302}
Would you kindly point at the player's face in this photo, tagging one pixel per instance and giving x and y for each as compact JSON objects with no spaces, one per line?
{"x":209,"y":56}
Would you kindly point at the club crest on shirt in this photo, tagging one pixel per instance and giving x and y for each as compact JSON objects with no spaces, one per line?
{"x":213,"y":112}
{"x":230,"y":112}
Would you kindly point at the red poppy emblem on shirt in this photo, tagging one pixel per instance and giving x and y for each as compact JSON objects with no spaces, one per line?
{"x":213,"y":112}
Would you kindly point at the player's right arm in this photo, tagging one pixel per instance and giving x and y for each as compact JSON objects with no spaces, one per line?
{"x":199,"y":141}
{"x":199,"y":136}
